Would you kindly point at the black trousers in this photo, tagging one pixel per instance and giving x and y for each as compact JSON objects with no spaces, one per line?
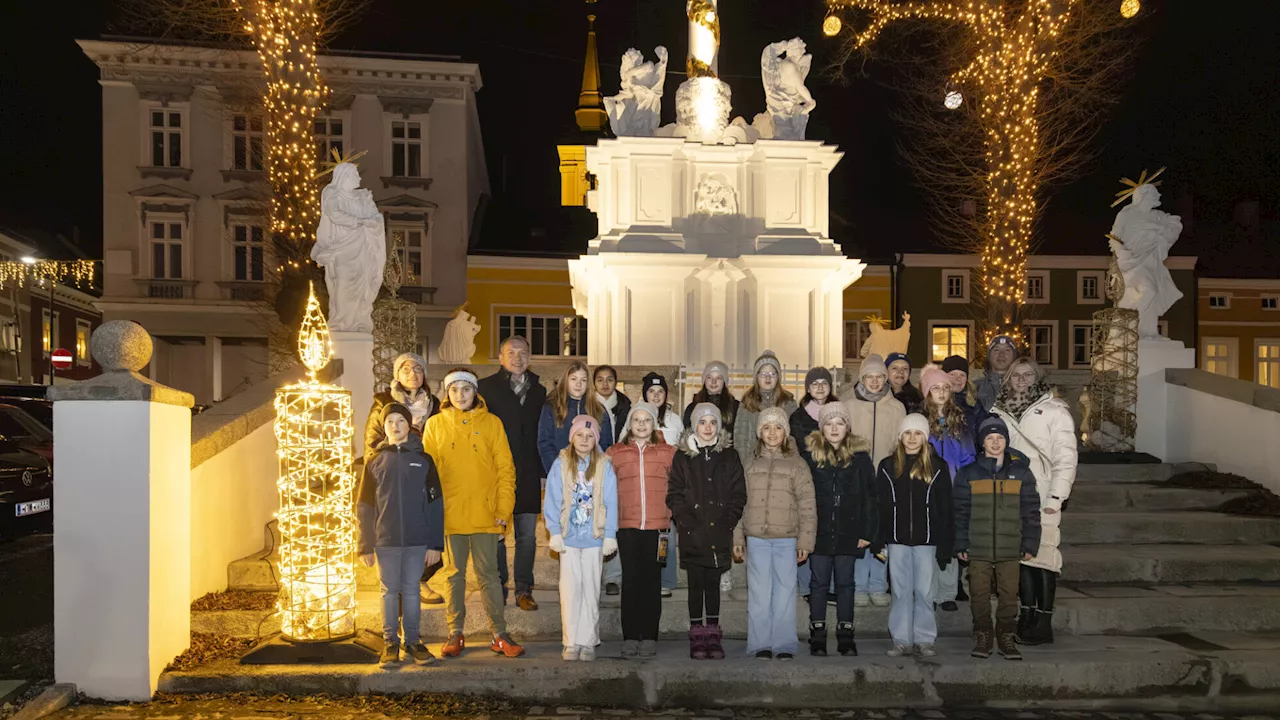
{"x":704,"y":590}
{"x":641,"y":584}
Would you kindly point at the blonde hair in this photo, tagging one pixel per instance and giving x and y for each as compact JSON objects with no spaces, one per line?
{"x":751,"y":399}
{"x":569,"y":459}
{"x":827,"y":455}
{"x":949,"y":412}
{"x":559,"y":398}
{"x":922,"y":469}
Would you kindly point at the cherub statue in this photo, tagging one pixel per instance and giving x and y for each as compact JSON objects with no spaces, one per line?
{"x":637,"y":107}
{"x":1141,"y":238}
{"x":783,"y":69}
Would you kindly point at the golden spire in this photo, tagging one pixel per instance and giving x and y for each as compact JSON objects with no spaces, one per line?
{"x":590,"y":114}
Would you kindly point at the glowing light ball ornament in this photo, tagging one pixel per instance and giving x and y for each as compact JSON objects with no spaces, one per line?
{"x":314,"y":429}
{"x":953,"y":99}
{"x":1129,"y":8}
{"x":832,"y":25}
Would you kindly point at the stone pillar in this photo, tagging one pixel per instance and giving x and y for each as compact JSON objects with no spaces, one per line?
{"x":355,"y":349}
{"x":213,"y":346}
{"x":122,"y":555}
{"x":1154,"y":357}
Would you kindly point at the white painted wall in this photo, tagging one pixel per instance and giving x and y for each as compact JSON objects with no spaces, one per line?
{"x":1237,"y":437}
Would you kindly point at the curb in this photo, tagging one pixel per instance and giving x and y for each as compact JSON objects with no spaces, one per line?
{"x":53,"y":699}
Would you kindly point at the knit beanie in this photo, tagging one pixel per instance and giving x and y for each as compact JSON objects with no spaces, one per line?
{"x":767,"y":358}
{"x":409,"y":358}
{"x":460,"y":376}
{"x":955,"y":362}
{"x":774,"y":416}
{"x":642,"y":407}
{"x":816,"y":374}
{"x":895,"y":357}
{"x":718,"y":368}
{"x":396,"y":408}
{"x":585,"y":422}
{"x":931,"y":375}
{"x":833,"y":410}
{"x":872,"y":365}
{"x":653,"y":379}
{"x":699,"y":411}
{"x":914,"y":421}
{"x":1002,"y":340}
{"x":993,"y":424}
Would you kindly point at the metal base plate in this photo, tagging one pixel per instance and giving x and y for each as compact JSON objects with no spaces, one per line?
{"x":276,"y":650}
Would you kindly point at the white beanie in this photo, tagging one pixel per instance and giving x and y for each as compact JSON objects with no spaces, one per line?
{"x":914,"y":421}
{"x":460,"y":376}
{"x":772,"y":416}
{"x":704,"y":409}
{"x":716,"y":367}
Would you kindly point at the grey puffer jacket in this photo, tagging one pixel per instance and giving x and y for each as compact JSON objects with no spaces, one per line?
{"x":399,"y":502}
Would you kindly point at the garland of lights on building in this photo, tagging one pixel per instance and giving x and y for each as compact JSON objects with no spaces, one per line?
{"x":67,"y":272}
{"x":314,"y":429}
{"x":1005,"y":78}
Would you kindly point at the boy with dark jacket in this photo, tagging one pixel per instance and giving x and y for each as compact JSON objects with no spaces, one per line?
{"x":400,"y":523}
{"x":997,"y":525}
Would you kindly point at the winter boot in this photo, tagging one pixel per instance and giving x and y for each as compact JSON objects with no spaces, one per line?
{"x":818,"y":639}
{"x":1007,"y":644}
{"x":982,"y":644}
{"x":844,"y":640}
{"x":1028,"y":592}
{"x":1040,"y":631}
{"x":698,"y":642}
{"x":715,"y":642}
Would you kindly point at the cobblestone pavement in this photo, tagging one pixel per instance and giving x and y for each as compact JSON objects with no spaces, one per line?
{"x":238,"y":707}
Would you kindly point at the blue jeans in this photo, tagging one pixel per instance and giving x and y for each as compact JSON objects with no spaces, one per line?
{"x":612,"y":569}
{"x":826,"y":570}
{"x":946,"y":583}
{"x":870,"y":575}
{"x":771,"y":595}
{"x":525,"y":526}
{"x":399,"y":572}
{"x":670,"y":573}
{"x":911,"y":619}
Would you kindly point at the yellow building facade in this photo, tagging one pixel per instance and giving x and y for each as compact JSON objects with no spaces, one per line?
{"x":1239,"y":324}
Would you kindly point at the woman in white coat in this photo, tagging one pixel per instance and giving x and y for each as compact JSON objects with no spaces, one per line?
{"x":1040,"y":426}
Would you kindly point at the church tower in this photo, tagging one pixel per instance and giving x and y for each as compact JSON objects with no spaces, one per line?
{"x":592,"y":123}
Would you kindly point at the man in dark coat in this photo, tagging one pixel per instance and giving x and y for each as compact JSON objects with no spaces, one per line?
{"x":516,"y":397}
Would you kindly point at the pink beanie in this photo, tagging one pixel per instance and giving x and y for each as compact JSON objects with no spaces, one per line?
{"x":932,"y":375}
{"x":585,"y":422}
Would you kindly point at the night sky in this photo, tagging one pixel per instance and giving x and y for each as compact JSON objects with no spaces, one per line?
{"x":1203,"y":99}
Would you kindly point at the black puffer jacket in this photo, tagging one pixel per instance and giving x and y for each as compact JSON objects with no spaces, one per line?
{"x":521,"y":425}
{"x":848,"y":507}
{"x":915,"y":512}
{"x":802,"y":423}
{"x":706,"y":492}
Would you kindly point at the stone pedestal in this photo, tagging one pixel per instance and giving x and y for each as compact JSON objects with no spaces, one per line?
{"x":1154,"y":357}
{"x":122,"y":555}
{"x":355,"y":349}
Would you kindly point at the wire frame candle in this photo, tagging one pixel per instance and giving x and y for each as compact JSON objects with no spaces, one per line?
{"x":314,"y":430}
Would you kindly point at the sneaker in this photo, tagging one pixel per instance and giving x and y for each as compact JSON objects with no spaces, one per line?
{"x":981,"y":644}
{"x":570,"y":652}
{"x":883,"y":599}
{"x":612,"y":589}
{"x":630,"y":648}
{"x":420,"y":654}
{"x":454,"y":645}
{"x":949,"y":606}
{"x":899,"y":651}
{"x":1008,"y":645}
{"x":785,"y":656}
{"x":390,"y":655}
{"x":926,"y":650}
{"x":861,"y":600}
{"x":648,"y":648}
{"x":726,"y":583}
{"x":585,"y":653}
{"x":525,"y":601}
{"x":764,"y":655}
{"x":431,"y":597}
{"x":504,"y":645}
{"x":666,"y":592}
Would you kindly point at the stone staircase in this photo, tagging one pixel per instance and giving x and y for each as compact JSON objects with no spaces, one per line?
{"x":1142,"y":559}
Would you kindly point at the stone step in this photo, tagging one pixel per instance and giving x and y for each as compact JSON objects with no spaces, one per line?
{"x":1088,"y":610}
{"x":1124,"y":497}
{"x":1135,"y":472}
{"x":1197,"y":528}
{"x":1170,"y":563}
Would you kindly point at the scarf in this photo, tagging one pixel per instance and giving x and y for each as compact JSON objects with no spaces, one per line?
{"x":1015,"y":403}
{"x":419,"y":405}
{"x":610,"y":402}
{"x":867,"y":395}
{"x":813,"y":408}
{"x":520,"y":387}
{"x":768,"y":398}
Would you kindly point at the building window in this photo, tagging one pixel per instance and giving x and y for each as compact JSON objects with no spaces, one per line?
{"x":1089,"y":285}
{"x":1267,"y":362}
{"x":166,"y":250}
{"x":1042,"y":343}
{"x":1270,"y":302}
{"x":9,"y":336}
{"x":49,"y":332}
{"x":166,"y":138}
{"x":406,"y":148}
{"x":1219,"y":301}
{"x":955,"y":286}
{"x":856,"y":333}
{"x":83,"y":330}
{"x":1081,"y":343}
{"x":947,"y":340}
{"x":328,"y":133}
{"x":1037,"y":287}
{"x":1219,"y":356}
{"x":408,"y":243}
{"x":248,"y":250}
{"x":548,"y":335}
{"x":246,"y":142}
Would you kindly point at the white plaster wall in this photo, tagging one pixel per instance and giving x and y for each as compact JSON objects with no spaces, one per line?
{"x":233,"y":497}
{"x":1236,"y":437}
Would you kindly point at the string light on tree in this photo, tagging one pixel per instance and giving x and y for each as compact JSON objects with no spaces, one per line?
{"x":832,"y":25}
{"x":1129,"y":8}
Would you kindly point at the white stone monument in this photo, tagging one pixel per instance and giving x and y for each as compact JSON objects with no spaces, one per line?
{"x":637,"y":108}
{"x":713,"y":238}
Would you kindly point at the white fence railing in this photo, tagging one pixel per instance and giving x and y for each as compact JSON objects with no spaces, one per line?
{"x":689,"y":381}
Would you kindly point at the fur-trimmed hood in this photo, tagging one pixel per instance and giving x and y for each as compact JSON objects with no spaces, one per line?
{"x":816,"y":445}
{"x":723,"y":442}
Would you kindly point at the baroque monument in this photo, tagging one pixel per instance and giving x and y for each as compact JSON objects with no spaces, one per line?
{"x":713,"y":234}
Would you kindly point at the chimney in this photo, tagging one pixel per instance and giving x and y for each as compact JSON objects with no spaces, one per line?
{"x":1248,"y":215}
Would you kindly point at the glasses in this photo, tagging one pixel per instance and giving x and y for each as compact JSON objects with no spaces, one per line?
{"x":819,"y":384}
{"x":768,"y":374}
{"x":1028,"y":376}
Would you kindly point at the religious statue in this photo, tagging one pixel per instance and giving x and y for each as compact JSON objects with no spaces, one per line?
{"x":637,"y":107}
{"x":884,"y":342}
{"x":351,"y":246}
{"x":459,"y":343}
{"x":1141,"y":238}
{"x":783,"y":68}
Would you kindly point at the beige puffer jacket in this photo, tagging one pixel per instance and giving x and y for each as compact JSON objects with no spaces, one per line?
{"x":780,"y":500}
{"x":876,"y":422}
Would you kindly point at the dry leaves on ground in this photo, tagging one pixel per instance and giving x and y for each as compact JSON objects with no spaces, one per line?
{"x":206,"y":648}
{"x":235,"y":600}
{"x":417,"y":704}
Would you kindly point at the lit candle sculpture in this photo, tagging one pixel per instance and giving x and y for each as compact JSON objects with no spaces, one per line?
{"x":703,"y":101}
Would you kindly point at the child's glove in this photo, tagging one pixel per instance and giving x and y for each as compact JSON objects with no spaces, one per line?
{"x":556,"y":543}
{"x":610,"y":547}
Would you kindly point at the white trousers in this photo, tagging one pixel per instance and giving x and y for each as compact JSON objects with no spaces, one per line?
{"x":580,"y":596}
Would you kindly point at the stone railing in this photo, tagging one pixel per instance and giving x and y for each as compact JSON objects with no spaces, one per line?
{"x":1226,"y":422}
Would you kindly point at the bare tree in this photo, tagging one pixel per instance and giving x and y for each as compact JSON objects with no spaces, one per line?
{"x":1031,"y":81}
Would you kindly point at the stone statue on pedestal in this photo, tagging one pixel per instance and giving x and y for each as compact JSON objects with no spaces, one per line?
{"x":783,"y":68}
{"x":459,"y":343}
{"x":351,"y":246}
{"x":637,"y":108}
{"x":1141,"y":238}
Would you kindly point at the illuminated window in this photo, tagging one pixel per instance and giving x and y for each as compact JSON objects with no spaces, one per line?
{"x":248,"y":250}
{"x":948,"y":340}
{"x":83,"y":330}
{"x":9,"y":336}
{"x":1267,"y":362}
{"x":1219,"y":355}
{"x":166,"y":137}
{"x":548,"y":335}
{"x":856,"y":333}
{"x":406,"y":148}
{"x":48,"y":331}
{"x":328,"y":133}
{"x":408,"y":242}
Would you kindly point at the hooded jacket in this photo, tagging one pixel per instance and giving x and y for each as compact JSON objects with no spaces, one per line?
{"x":375,"y":435}
{"x":847,"y":500}
{"x":706,"y":493}
{"x":876,"y":422}
{"x":745,"y":427}
{"x":399,"y":502}
{"x":997,"y":510}
{"x":558,"y":505}
{"x":476,"y":472}
{"x":780,"y":501}
{"x":914,"y":512}
{"x":553,"y":438}
{"x":642,"y":484}
{"x":520,"y":421}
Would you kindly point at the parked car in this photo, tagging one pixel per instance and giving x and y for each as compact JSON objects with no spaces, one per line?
{"x":26,"y":491}
{"x":20,"y":428}
{"x":38,"y":408}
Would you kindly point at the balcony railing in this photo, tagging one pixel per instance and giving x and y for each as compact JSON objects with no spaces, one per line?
{"x":245,"y":290}
{"x":167,"y":289}
{"x":418,"y":294}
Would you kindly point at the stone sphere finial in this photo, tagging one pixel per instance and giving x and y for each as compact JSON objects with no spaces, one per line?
{"x":121,"y":345}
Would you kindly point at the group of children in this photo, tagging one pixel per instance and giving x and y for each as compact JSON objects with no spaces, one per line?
{"x":768,"y":482}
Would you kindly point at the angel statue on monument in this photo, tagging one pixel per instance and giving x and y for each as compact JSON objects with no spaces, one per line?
{"x":351,"y":246}
{"x":783,"y":68}
{"x":1141,"y":238}
{"x":637,"y":108}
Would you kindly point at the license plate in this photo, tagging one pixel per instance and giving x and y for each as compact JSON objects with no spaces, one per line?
{"x":32,"y":508}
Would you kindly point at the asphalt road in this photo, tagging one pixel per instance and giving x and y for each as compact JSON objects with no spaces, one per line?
{"x":26,"y":608}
